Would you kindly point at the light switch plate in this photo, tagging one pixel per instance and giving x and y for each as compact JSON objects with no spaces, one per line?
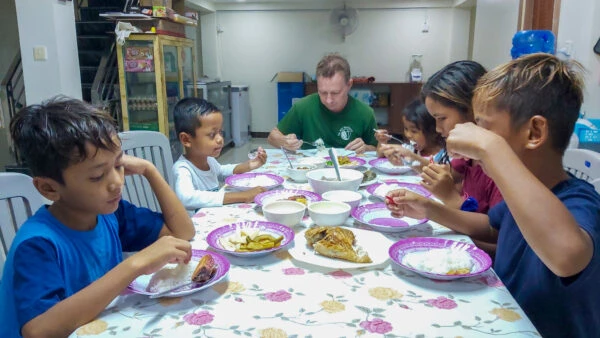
{"x":40,"y":53}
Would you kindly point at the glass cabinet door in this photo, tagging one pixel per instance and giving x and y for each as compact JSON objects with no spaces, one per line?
{"x":140,"y":79}
{"x":172,"y":87}
{"x":187,"y":63}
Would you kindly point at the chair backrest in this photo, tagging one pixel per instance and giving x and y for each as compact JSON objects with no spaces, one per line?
{"x":582,"y":163}
{"x":596,"y":184}
{"x":154,"y":147}
{"x":19,"y":199}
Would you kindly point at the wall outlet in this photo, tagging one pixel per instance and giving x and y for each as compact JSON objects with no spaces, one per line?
{"x":40,"y":53}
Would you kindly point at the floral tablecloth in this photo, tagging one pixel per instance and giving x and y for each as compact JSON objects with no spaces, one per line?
{"x":278,"y":296}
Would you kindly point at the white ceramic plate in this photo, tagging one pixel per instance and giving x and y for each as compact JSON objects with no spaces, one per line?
{"x":374,"y":243}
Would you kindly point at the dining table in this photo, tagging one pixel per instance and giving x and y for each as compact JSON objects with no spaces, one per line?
{"x":283,"y":295}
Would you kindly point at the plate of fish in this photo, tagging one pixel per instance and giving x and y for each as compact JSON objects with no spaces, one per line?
{"x":176,"y":280}
{"x":340,"y":247}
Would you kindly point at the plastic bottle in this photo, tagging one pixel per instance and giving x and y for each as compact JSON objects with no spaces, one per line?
{"x":532,"y":41}
{"x":415,"y":69}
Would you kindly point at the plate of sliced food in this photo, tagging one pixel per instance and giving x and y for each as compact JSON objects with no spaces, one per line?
{"x":176,"y":280}
{"x":250,"y":239}
{"x":340,"y":247}
{"x":378,"y":217}
{"x":347,"y":162}
{"x":302,"y":196}
{"x":379,"y":190}
{"x":439,"y":258}
{"x":384,"y":165}
{"x":248,"y":181}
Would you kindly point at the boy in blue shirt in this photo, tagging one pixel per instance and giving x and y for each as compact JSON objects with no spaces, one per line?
{"x":548,"y":227}
{"x":65,"y":264}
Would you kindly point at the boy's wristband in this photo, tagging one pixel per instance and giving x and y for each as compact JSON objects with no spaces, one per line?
{"x":470,"y":204}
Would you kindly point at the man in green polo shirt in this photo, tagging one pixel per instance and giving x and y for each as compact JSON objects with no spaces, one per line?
{"x":340,"y":120}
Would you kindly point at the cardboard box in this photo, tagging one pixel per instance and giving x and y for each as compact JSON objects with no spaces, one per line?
{"x":290,"y":88}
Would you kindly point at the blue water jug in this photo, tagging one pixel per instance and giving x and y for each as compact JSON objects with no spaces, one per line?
{"x":533,"y":41}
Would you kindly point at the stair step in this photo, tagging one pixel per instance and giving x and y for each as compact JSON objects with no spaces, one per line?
{"x":87,"y":74}
{"x":92,"y":13}
{"x":94,"y":27}
{"x":90,"y":57}
{"x":99,"y":43}
{"x":104,"y":3}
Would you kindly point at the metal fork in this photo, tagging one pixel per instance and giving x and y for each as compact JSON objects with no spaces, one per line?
{"x":459,"y":246}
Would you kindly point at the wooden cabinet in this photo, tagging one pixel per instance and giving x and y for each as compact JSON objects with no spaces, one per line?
{"x":389,"y":97}
{"x":154,"y":71}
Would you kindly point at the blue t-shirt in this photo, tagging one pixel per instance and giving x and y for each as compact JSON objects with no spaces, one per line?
{"x":48,"y":262}
{"x":558,"y":307}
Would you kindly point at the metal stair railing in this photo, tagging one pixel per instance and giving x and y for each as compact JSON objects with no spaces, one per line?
{"x":103,"y":87}
{"x":15,"y":90}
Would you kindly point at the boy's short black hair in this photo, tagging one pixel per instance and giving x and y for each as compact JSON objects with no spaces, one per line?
{"x":535,"y":84}
{"x":53,"y":135}
{"x":453,"y":86}
{"x":187,"y":113}
{"x":417,"y":113}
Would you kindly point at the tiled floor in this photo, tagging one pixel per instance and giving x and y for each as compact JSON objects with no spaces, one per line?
{"x":239,"y":154}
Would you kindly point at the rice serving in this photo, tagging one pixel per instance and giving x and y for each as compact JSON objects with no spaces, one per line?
{"x":171,"y":276}
{"x":258,"y":181}
{"x":440,"y":261}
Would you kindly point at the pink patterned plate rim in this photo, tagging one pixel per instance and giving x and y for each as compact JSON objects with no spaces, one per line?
{"x":378,"y":217}
{"x":481,"y":260}
{"x":404,"y":185}
{"x":234,"y":180}
{"x":139,"y":284}
{"x":269,"y":227}
{"x":358,"y":160}
{"x":261,"y":198}
{"x":378,"y":164}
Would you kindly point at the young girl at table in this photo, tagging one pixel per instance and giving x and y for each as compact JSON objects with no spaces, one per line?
{"x":198,"y":124}
{"x":65,"y":264}
{"x":419,"y":128}
{"x":548,"y":227}
{"x":447,"y":95}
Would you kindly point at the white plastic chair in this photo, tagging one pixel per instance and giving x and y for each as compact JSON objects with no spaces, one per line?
{"x":582,"y":163}
{"x":19,"y":199}
{"x":596,"y":184}
{"x":154,"y":147}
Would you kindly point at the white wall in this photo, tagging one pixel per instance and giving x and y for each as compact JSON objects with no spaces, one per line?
{"x":254,"y":45}
{"x":495,"y":24}
{"x":49,"y":23}
{"x":579,"y":23}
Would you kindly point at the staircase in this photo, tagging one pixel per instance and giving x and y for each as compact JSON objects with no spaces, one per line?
{"x":95,"y":36}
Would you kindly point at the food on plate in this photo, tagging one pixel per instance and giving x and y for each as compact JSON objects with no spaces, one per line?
{"x":343,"y":161}
{"x":320,"y":144}
{"x":250,"y":239}
{"x":336,"y":242}
{"x":172,"y":276}
{"x":205,"y":269}
{"x":443,"y":261}
{"x":368,"y":175}
{"x":258,"y":181}
{"x":298,"y":198}
{"x":324,"y":178}
{"x":303,"y":168}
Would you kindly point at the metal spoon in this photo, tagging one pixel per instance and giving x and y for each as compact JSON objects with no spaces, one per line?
{"x":284,"y":153}
{"x":336,"y":165}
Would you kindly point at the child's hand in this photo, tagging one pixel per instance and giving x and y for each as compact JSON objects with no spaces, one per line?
{"x":135,"y":165}
{"x":381,"y":135}
{"x":395,"y":153}
{"x":402,"y":202}
{"x":166,"y":249}
{"x":248,"y":195}
{"x":468,"y":140}
{"x":437,"y":178}
{"x":259,"y":160}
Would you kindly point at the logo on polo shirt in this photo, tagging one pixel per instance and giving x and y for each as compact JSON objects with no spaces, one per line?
{"x":345,"y":133}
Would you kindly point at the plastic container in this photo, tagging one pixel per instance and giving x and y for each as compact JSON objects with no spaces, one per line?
{"x":532,"y":41}
{"x":415,"y":69}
